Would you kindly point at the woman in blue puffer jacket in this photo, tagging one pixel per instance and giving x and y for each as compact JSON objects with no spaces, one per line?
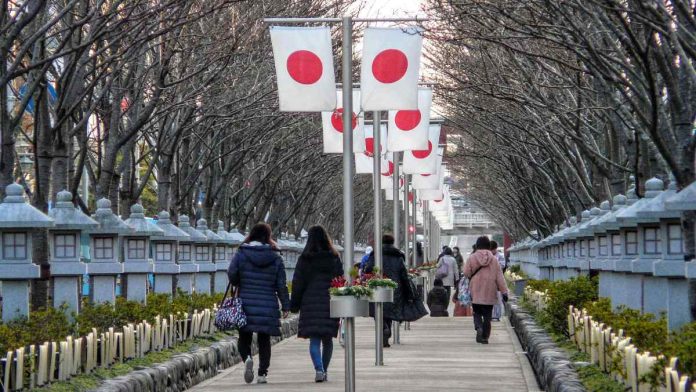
{"x":259,"y":274}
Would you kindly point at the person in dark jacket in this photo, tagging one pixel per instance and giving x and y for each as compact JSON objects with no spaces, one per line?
{"x":258,"y":272}
{"x":394,"y":268}
{"x":318,"y":264}
{"x":438,"y":300}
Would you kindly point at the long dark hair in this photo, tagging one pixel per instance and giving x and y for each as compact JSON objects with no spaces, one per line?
{"x":261,"y":232}
{"x":483,"y":243}
{"x":318,"y":240}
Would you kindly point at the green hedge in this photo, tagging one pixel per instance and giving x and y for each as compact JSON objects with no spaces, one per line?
{"x":54,"y":324}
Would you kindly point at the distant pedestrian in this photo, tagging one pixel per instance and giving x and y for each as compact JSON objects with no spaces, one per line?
{"x":259,"y":274}
{"x":498,"y":307}
{"x":394,"y":268}
{"x":448,"y":271}
{"x":363,"y":260}
{"x":460,"y":259}
{"x":318,"y":264}
{"x":485,"y":280}
{"x":438,"y":300}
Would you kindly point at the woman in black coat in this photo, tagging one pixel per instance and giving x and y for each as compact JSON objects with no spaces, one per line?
{"x":394,"y":268}
{"x":259,"y":274}
{"x":318,"y":264}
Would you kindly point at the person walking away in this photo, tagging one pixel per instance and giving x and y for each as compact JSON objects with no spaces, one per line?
{"x":461,"y":310}
{"x":363,"y":260}
{"x":498,"y":307}
{"x":394,"y":268}
{"x":460,"y":259}
{"x":259,"y":274}
{"x":318,"y":264}
{"x":485,"y":280}
{"x":438,"y":300}
{"x":447,"y":271}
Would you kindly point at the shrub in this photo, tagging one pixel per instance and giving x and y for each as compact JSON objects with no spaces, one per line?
{"x":515,"y":269}
{"x":539,"y":285}
{"x":579,"y":292}
{"x":682,"y":344}
{"x":99,"y":316}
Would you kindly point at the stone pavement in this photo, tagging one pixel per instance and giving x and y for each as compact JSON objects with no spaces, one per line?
{"x":437,"y":354}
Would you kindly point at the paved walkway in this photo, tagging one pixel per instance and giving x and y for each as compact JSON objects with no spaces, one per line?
{"x":437,"y":354}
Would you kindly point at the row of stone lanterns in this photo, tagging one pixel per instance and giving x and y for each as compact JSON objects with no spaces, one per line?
{"x":634,"y":245}
{"x":117,"y":247}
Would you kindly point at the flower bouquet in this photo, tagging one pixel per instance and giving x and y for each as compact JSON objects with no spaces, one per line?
{"x":348,"y":300}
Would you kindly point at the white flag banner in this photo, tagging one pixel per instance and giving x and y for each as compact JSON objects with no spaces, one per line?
{"x":363,"y":160}
{"x":389,"y":192}
{"x":304,"y":66}
{"x":408,"y":129}
{"x":332,"y":126}
{"x":430,"y":181}
{"x":390,"y":67}
{"x":431,"y":194}
{"x":424,"y":161}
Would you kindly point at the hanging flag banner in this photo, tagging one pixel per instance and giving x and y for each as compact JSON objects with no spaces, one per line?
{"x":431,"y":194}
{"x":389,"y":192}
{"x":390,"y":67}
{"x":332,"y":126}
{"x":387,"y":171}
{"x":430,"y":181}
{"x":424,"y":161}
{"x":408,"y":129}
{"x":363,"y":160}
{"x":304,"y":67}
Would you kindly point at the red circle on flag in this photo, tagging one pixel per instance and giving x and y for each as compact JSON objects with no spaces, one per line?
{"x":337,"y":120}
{"x":426,"y":175}
{"x":401,"y":182}
{"x":407,"y":120}
{"x":410,"y":196}
{"x":438,"y":201}
{"x":389,"y":65}
{"x":422,"y":154}
{"x":304,"y":67}
{"x":370,"y":145}
{"x":389,"y":171}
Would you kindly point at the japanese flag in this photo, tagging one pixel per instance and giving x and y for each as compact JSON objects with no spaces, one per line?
{"x":389,"y":70}
{"x":431,"y":194}
{"x":408,"y":129}
{"x":429,"y":181}
{"x":387,"y":172}
{"x":389,"y":192}
{"x":424,"y":161}
{"x":304,"y":68}
{"x":363,"y":160}
{"x":332,"y":126}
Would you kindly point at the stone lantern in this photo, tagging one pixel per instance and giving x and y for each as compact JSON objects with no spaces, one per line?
{"x":18,"y":219}
{"x":685,"y":200}
{"x":67,"y":267}
{"x":105,"y":256}
{"x":164,"y":251}
{"x":232,"y":241}
{"x":204,"y":256}
{"x":579,"y":253}
{"x":187,"y":255}
{"x":137,"y":263}
{"x":609,"y":244}
{"x":587,"y":233}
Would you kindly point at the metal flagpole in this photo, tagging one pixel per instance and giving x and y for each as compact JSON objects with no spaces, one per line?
{"x":376,"y":181}
{"x":397,"y":227}
{"x":349,"y":322}
{"x":414,"y":259}
{"x":407,"y":325}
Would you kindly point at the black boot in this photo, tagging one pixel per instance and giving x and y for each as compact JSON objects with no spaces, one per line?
{"x":479,"y":335}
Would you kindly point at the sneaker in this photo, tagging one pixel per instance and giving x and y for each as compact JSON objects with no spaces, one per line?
{"x":262,"y":380}
{"x":249,"y":370}
{"x":319,"y":376}
{"x":326,"y":377}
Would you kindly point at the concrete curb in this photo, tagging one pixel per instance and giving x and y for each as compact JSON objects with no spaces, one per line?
{"x":552,"y":367}
{"x":188,"y":369}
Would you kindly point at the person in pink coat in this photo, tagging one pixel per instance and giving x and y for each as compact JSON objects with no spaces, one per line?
{"x":486,"y":279}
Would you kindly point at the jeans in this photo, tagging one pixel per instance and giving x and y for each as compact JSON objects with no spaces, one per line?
{"x":264,"y":342}
{"x":320,"y":349}
{"x":482,"y":319}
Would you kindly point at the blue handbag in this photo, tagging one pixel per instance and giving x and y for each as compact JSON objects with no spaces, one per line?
{"x":230,"y":314}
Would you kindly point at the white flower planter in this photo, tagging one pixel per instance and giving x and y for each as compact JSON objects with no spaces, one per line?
{"x":382,"y":294}
{"x":348,"y":306}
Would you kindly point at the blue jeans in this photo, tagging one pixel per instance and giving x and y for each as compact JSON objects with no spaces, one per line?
{"x":321,"y":358}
